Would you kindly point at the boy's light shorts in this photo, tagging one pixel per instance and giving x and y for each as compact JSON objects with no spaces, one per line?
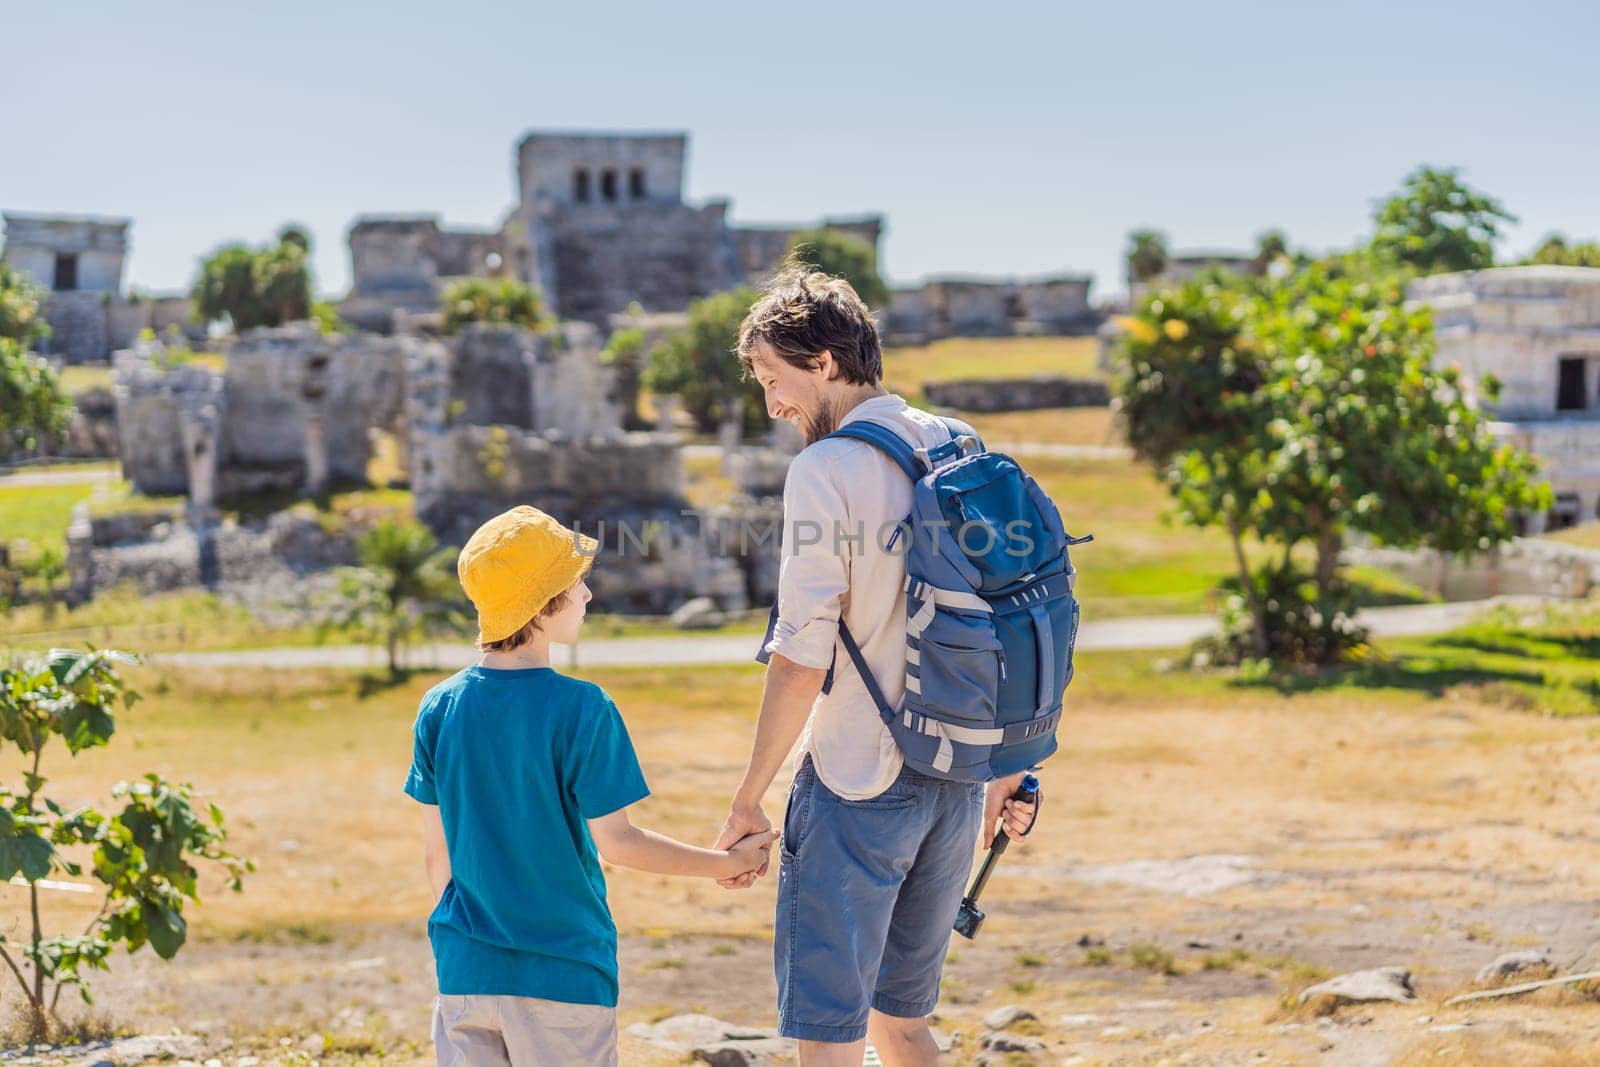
{"x":522,"y":1031}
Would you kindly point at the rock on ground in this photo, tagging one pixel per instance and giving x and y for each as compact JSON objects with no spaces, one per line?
{"x":1003,"y":1017}
{"x":1522,"y":966}
{"x":710,"y":1040}
{"x":1360,"y":987}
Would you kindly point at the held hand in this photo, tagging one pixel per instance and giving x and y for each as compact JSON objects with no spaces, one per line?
{"x":742,"y":822}
{"x":750,"y":854}
{"x":998,"y":805}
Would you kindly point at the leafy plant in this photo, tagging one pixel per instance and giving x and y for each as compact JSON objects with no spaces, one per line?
{"x":34,"y":408}
{"x":256,"y":287}
{"x":697,"y":363}
{"x":405,"y":582}
{"x":496,"y":301}
{"x":1436,"y":223}
{"x":625,"y":352}
{"x":843,"y":255}
{"x":1299,"y":410}
{"x":21,"y":299}
{"x":141,"y":853}
{"x":1146,"y":256}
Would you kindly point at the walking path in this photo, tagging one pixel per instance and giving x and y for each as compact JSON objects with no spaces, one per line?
{"x":27,"y":478}
{"x":1161,"y":631}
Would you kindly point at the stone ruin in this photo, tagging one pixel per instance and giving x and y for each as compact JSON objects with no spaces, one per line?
{"x":979,"y":307}
{"x":494,"y":417}
{"x":79,"y":260}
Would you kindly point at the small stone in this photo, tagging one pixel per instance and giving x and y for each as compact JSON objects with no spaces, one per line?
{"x":247,"y":1061}
{"x":1001,"y":1041}
{"x":1003,"y":1017}
{"x":1519,"y":965}
{"x":1078,"y":1020}
{"x":213,"y":1063}
{"x":1359,"y":987}
{"x":700,"y":613}
{"x":314,"y":1043}
{"x":1114,"y":1031}
{"x":941,"y":1040}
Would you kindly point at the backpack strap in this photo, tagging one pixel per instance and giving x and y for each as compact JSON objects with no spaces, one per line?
{"x":888,"y":442}
{"x":885,"y":712}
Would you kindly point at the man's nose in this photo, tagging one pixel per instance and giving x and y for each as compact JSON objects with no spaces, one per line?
{"x":774,"y":409}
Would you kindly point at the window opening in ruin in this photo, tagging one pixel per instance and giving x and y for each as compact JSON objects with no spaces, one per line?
{"x":1565,"y":512}
{"x":1571,"y":393}
{"x":580,"y":185}
{"x":608,"y":185}
{"x":66,"y":278}
{"x":636,"y":183}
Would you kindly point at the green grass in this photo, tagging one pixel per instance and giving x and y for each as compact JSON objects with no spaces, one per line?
{"x":81,"y":379}
{"x":905,"y":370}
{"x":1140,"y":563}
{"x":1586,"y":535}
{"x":188,"y":620}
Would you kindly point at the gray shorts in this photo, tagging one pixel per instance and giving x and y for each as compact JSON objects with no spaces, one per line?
{"x":868,"y":891}
{"x":522,"y":1031}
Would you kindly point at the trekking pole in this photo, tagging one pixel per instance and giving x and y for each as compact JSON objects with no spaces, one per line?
{"x":970,"y":918}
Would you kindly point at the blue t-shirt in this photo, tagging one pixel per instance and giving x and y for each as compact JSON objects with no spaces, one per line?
{"x":518,"y":761}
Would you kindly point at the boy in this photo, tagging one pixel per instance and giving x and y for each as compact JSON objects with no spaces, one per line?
{"x":525,"y":773}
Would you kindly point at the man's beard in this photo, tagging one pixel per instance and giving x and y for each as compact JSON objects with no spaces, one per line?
{"x":826,"y":422}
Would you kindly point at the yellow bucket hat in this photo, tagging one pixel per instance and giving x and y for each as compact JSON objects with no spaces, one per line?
{"x":516,"y":564}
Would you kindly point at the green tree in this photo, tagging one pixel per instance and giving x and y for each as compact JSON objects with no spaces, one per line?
{"x":142,"y":854}
{"x":1146,"y":256}
{"x":842,"y":255}
{"x":625,"y":352}
{"x":1438,"y":223}
{"x":21,"y":300}
{"x":496,"y":301}
{"x":1555,"y":250}
{"x":1304,"y":410}
{"x":405,"y":583}
{"x":256,"y":287}
{"x":1271,"y":246}
{"x":34,"y":409}
{"x":697,"y":363}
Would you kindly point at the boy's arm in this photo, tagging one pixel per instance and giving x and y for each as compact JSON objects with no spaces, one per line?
{"x":626,"y":845}
{"x":435,"y":857}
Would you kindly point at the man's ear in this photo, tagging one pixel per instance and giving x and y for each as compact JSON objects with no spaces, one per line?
{"x":827,"y":365}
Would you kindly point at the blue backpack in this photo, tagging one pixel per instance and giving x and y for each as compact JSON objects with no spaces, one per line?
{"x":991,"y":619}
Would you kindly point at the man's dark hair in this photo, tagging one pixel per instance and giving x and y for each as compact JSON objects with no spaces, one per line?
{"x":803,"y":312}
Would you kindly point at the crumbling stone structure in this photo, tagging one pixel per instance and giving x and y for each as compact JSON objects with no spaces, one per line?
{"x":1537,"y":329}
{"x":973,"y":307}
{"x":293,"y":410}
{"x":601,"y":224}
{"x":79,"y":260}
{"x":555,"y":440}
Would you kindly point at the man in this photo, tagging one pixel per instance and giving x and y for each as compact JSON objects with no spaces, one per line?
{"x":874,"y":855}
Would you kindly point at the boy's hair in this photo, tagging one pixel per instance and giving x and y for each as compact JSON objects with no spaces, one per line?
{"x":803,"y":312}
{"x":529,"y":628}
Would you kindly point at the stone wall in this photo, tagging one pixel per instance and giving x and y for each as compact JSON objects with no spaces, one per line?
{"x":264,"y":435}
{"x":149,"y":402}
{"x":970,"y":307}
{"x":33,"y":243}
{"x":761,"y":249}
{"x":661,"y":255}
{"x":1517,"y":323}
{"x":548,"y":166}
{"x":79,"y":326}
{"x":1526,"y":566}
{"x":1018,"y":394}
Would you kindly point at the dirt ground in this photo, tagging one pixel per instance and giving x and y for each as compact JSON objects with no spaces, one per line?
{"x":1205,"y":852}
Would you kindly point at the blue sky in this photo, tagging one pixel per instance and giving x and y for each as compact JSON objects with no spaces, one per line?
{"x":997,"y":139}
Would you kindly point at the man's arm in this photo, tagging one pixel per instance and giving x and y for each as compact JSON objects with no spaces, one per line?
{"x":786,"y":699}
{"x":435,"y":857}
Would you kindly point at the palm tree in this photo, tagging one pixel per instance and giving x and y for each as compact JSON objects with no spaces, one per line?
{"x":405,"y":582}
